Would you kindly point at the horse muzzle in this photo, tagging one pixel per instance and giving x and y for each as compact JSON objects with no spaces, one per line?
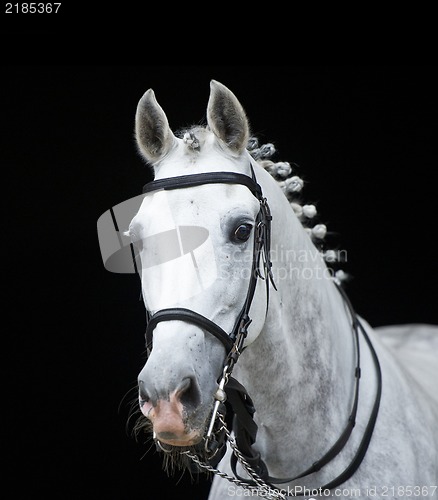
{"x":174,"y":416}
{"x":170,"y":423}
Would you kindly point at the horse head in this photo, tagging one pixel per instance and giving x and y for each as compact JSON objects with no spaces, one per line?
{"x":196,"y":248}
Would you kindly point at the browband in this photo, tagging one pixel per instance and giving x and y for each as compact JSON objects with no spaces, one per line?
{"x":183,"y":181}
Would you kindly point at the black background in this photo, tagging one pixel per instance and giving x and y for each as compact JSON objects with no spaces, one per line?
{"x":364,"y":138}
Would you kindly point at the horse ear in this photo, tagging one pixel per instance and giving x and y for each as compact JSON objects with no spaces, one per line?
{"x":152,"y":132}
{"x":226,"y":117}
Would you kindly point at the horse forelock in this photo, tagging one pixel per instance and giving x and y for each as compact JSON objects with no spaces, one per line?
{"x":193,"y":137}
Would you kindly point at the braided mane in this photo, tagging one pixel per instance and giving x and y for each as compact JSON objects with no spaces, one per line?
{"x":284,"y":173}
{"x":292,"y":186}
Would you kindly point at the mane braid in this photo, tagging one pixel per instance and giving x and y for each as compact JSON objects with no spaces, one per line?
{"x":292,"y":186}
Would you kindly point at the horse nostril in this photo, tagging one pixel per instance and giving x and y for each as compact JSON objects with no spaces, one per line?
{"x":188,"y":392}
{"x":142,"y":393}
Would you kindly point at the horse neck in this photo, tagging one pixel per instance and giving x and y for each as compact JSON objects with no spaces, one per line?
{"x":299,"y":369}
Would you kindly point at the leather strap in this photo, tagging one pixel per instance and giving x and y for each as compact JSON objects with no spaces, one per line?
{"x":185,"y":181}
{"x":260,"y":248}
{"x":253,"y":458}
{"x":189,"y":316}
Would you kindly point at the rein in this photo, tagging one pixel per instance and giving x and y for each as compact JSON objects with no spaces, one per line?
{"x":230,"y":390}
{"x":260,"y":469}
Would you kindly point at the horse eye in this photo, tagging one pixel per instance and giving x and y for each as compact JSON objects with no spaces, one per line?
{"x":242,"y":233}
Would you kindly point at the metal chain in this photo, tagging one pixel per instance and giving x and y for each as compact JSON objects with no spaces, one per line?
{"x":261,"y":487}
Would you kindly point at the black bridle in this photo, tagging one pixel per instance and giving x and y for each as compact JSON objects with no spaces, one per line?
{"x":232,"y":341}
{"x":242,"y":408}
